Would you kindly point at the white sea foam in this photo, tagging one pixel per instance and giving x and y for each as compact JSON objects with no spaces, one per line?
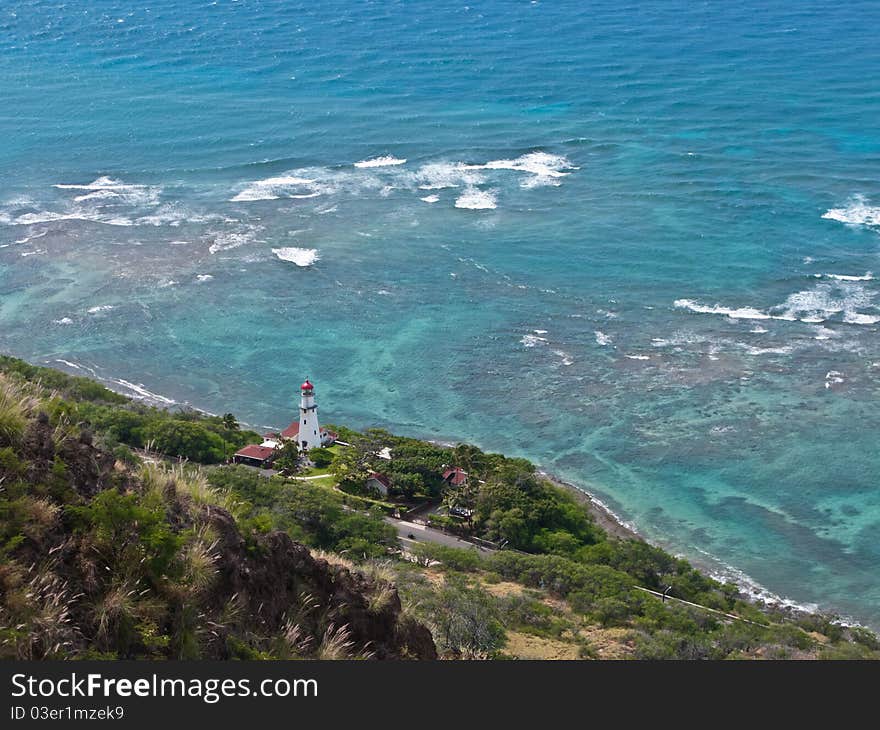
{"x":858,"y":318}
{"x":532,"y":340}
{"x":759,"y":330}
{"x":204,"y":277}
{"x":102,"y":183}
{"x":546,"y":168}
{"x":100,"y":308}
{"x":733,"y":313}
{"x":63,"y":320}
{"x":430,"y":198}
{"x":856,"y":212}
{"x":97,"y":195}
{"x":32,"y":237}
{"x":68,"y":363}
{"x":440,"y":175}
{"x":832,"y":378}
{"x":109,"y":189}
{"x":299,"y":256}
{"x":476,"y":199}
{"x":228,"y":240}
{"x":138,"y":391}
{"x":386,"y":161}
{"x":813,"y":306}
{"x":846,"y":277}
{"x":750,"y":587}
{"x":602,"y":338}
{"x":751,"y":350}
{"x":829,"y":299}
{"x":48,"y":216}
{"x":273,"y":188}
{"x":638,"y":357}
{"x":823,"y":333}
{"x":564,"y":356}
{"x":174,"y":214}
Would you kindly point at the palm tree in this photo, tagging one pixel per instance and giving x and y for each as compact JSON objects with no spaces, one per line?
{"x":229,"y":422}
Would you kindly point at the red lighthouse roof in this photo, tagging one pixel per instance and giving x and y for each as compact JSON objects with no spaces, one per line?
{"x":307,"y":386}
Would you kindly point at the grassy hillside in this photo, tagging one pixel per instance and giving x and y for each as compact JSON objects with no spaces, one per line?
{"x":102,"y":556}
{"x":113,"y":552}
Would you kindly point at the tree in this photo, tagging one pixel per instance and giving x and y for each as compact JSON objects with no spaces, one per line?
{"x":287,"y":458}
{"x":469,"y":458}
{"x":229,"y":422}
{"x":352,"y":467}
{"x":188,"y":440}
{"x":407,"y":484}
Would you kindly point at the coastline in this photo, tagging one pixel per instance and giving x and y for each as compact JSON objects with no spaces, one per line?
{"x":603,"y":516}
{"x":749,"y":590}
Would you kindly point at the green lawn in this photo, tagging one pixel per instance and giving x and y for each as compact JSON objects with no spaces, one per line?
{"x":325,"y":481}
{"x":315,"y":471}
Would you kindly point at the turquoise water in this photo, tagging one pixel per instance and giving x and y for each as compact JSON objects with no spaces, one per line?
{"x":606,"y":236}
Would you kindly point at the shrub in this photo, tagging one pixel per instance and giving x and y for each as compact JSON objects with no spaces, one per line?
{"x":321,"y":457}
{"x":187,"y":440}
{"x":463,"y":559}
{"x":466,"y":620}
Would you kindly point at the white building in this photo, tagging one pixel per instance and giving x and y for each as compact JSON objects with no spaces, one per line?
{"x":307,"y":432}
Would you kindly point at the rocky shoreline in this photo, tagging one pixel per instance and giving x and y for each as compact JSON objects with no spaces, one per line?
{"x":603,"y":516}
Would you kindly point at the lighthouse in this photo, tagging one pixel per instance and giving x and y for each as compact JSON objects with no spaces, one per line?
{"x":310,"y":434}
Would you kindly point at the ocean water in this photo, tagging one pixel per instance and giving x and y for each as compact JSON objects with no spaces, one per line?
{"x":635,"y":242}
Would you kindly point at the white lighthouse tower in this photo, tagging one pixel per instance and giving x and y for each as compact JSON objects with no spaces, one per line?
{"x":310,"y":434}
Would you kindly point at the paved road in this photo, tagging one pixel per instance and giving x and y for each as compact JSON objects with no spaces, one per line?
{"x":422,"y":533}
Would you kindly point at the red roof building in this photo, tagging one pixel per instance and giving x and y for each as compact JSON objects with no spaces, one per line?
{"x":291,"y":432}
{"x":379,"y":482}
{"x":455,"y":476}
{"x":254,"y":455}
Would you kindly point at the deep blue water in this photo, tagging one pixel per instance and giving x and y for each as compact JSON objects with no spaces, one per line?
{"x":614,"y":247}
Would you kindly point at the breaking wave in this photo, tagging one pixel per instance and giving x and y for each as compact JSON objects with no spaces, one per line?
{"x":868,"y":276}
{"x":299,"y":256}
{"x":856,"y":213}
{"x":386,"y":161}
{"x":843,"y":298}
{"x":274,"y":188}
{"x":546,"y":168}
{"x":476,"y":199}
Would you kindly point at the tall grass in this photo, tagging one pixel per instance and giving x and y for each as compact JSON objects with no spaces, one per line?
{"x":17,"y":403}
{"x":336,"y":644}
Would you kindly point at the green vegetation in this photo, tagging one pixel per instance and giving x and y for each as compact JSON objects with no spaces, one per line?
{"x":105,"y":555}
{"x":109,"y":558}
{"x":316,"y":517}
{"x":185,"y":434}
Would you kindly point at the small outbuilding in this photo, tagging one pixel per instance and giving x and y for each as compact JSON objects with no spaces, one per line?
{"x":255,"y":455}
{"x":379,"y":483}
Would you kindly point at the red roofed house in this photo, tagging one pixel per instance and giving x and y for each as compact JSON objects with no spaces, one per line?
{"x":255,"y":455}
{"x":306,"y":431}
{"x":378,"y":482}
{"x":455,"y":476}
